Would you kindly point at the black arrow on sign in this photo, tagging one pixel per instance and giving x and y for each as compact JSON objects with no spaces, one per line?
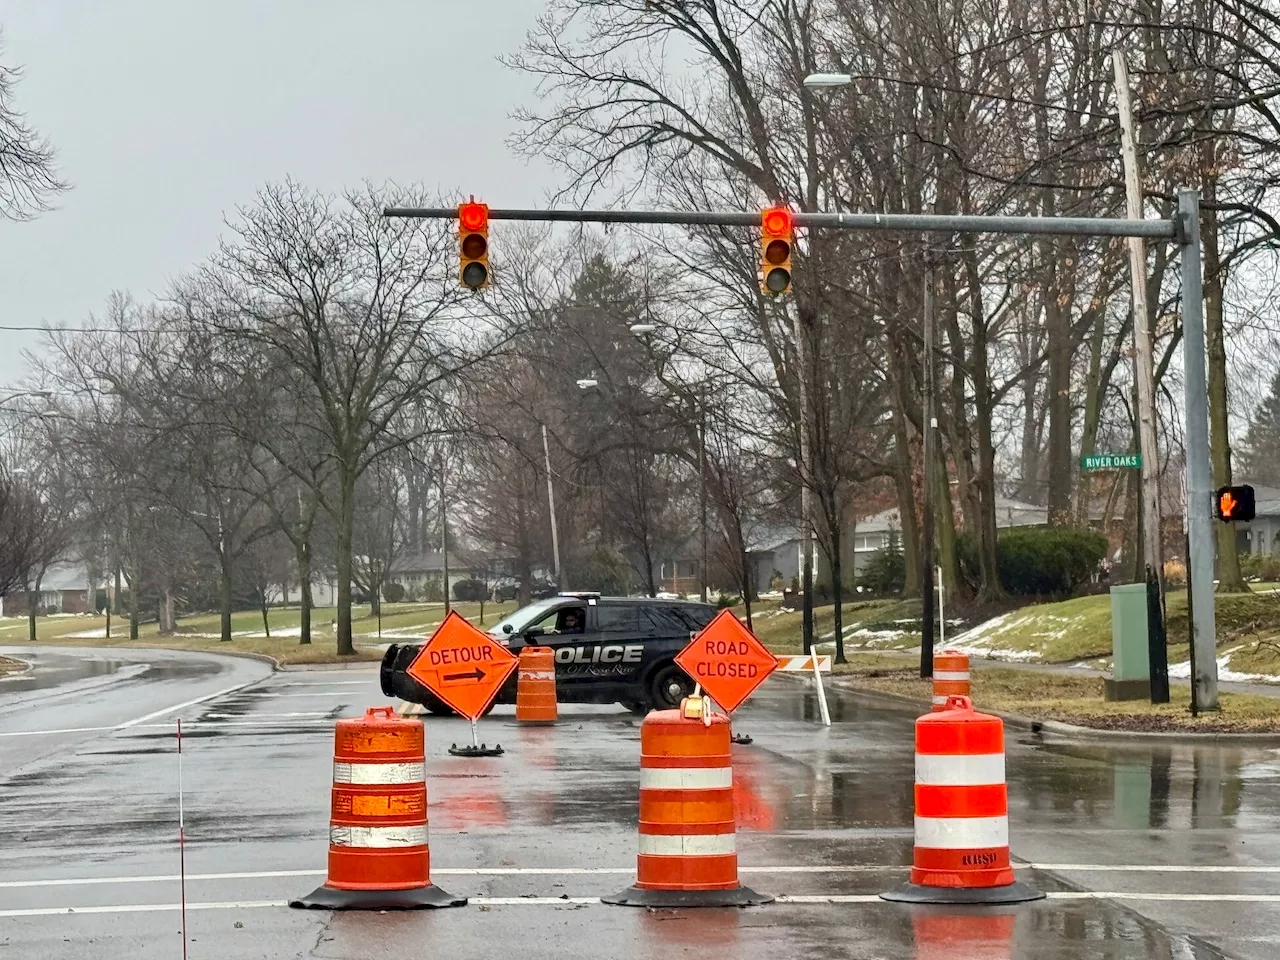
{"x":476,"y":674}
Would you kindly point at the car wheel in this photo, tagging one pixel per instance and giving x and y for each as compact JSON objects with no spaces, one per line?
{"x":638,"y":707}
{"x":670,"y":686}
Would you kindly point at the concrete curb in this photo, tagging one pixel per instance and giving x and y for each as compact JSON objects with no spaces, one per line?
{"x":1056,"y":729}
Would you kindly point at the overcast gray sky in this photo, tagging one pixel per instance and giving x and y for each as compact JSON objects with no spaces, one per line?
{"x":167,"y":114}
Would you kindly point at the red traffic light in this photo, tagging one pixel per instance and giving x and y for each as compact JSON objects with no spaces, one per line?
{"x":473,"y":216}
{"x":776,"y":222}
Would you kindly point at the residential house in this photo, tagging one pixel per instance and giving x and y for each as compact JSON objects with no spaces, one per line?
{"x":1261,"y":534}
{"x":65,"y":588}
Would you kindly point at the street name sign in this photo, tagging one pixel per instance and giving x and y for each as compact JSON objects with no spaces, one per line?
{"x":1111,"y":461}
{"x":463,"y":666}
{"x":727,"y":659}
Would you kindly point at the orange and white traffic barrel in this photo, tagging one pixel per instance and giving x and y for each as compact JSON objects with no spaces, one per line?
{"x":950,"y":677}
{"x":961,"y":812}
{"x":536,"y":686}
{"x":688,"y":853}
{"x":379,"y":850}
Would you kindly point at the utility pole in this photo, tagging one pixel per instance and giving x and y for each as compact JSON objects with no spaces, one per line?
{"x":1199,"y":477}
{"x":1144,"y":368}
{"x":702,"y":485}
{"x":927,"y":625}
{"x":444,"y":538}
{"x":806,"y":530}
{"x":551,"y":506}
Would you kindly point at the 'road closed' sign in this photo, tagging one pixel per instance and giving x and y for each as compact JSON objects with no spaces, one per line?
{"x":727,"y":660}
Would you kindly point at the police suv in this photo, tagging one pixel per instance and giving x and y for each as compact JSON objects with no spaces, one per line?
{"x":607,"y":649}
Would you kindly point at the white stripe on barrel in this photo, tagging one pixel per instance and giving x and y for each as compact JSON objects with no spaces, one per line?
{"x":688,"y":845}
{"x":379,"y":837}
{"x":537,"y":674}
{"x":960,"y":770}
{"x":962,"y":833}
{"x":377,"y":774}
{"x":686,"y":778}
{"x":951,"y":674}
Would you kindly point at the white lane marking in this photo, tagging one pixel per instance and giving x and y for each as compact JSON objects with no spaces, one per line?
{"x":216,"y":724}
{"x":270,"y":695}
{"x":325,"y":683}
{"x":621,"y":871}
{"x":561,"y":901}
{"x":302,"y":713}
{"x":189,"y":703}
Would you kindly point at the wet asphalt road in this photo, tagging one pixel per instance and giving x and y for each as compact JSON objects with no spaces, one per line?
{"x":1138,"y":846}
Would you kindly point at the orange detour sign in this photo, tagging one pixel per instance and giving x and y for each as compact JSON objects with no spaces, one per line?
{"x":463,"y":666}
{"x":727,"y":659}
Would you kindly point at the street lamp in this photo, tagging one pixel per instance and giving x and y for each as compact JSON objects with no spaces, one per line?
{"x":820,"y":80}
{"x":588,"y":384}
{"x":642,"y":329}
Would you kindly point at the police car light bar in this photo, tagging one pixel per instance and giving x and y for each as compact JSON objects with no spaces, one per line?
{"x":582,"y":594}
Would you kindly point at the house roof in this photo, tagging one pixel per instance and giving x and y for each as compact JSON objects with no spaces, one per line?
{"x":65,"y":576}
{"x":1266,"y":501}
{"x":1009,"y":513}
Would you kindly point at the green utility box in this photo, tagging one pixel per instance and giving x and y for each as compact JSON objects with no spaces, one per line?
{"x":1130,"y":661}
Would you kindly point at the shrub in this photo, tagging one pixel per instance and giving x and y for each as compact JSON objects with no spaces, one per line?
{"x":886,"y":572}
{"x":1175,"y":574}
{"x":432,"y":592}
{"x":1038,"y":562}
{"x":726,"y":600}
{"x":1269,"y":569}
{"x":393,"y":592}
{"x":470,"y":590}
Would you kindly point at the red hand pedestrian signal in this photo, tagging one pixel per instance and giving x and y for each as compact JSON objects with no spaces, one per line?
{"x":1234,"y":504}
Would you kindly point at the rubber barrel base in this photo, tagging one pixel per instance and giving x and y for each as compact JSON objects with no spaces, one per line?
{"x":736,"y":897}
{"x":419,"y":898}
{"x":916,"y":893}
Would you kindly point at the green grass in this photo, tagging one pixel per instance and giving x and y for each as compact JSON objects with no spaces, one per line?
{"x":1070,"y":699}
{"x":400,"y":622}
{"x":1248,"y":626}
{"x":781,"y":630}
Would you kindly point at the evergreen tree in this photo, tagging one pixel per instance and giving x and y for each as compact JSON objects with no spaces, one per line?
{"x":1260,"y":452}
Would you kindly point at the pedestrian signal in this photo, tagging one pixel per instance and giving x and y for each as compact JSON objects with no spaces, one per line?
{"x":777,"y":235}
{"x":473,"y":244}
{"x":1234,"y":503}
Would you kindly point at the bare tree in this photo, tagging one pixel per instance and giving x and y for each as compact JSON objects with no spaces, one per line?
{"x":28,"y":176}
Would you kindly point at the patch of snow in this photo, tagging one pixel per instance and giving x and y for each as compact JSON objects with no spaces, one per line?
{"x":1182,"y":671}
{"x":994,"y":653}
{"x":99,"y":634}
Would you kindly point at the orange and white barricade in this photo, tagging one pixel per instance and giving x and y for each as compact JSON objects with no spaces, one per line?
{"x":379,"y":851}
{"x":688,"y":854}
{"x":817,"y":665}
{"x":950,"y":677}
{"x":536,"y":686}
{"x":961,"y":812}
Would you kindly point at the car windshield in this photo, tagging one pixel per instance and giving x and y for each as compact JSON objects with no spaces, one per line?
{"x":523,"y":617}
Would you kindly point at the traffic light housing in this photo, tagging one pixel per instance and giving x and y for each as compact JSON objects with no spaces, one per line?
{"x":777,"y":237}
{"x":1232,"y":504}
{"x":473,"y":244}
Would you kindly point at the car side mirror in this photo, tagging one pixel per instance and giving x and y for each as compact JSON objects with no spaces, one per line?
{"x":534,"y":632}
{"x":506,"y":628}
